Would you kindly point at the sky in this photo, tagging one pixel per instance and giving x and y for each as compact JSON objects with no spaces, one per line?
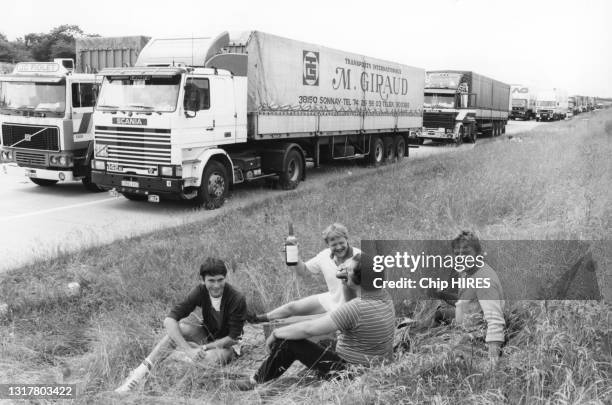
{"x":541,"y":43}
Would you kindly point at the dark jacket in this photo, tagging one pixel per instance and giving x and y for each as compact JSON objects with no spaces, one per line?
{"x":233,"y":311}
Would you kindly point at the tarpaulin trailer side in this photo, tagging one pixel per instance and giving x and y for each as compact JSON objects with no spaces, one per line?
{"x":96,"y":53}
{"x":297,"y":87}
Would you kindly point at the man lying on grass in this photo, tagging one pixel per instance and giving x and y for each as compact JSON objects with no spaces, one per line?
{"x":327,"y":263}
{"x":208,"y":339}
{"x":366,"y":324}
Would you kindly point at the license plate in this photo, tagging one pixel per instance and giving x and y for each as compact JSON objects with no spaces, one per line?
{"x":153,"y":198}
{"x":128,"y":183}
{"x":31,"y":173}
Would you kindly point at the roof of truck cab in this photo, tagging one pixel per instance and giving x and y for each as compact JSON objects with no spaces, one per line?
{"x":143,"y":71}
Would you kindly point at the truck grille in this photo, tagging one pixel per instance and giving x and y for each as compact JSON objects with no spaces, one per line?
{"x":40,"y":137}
{"x":132,"y":147}
{"x":30,"y":159}
{"x":439,"y":119}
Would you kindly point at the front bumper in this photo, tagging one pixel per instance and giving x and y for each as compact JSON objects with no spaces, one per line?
{"x":12,"y":169}
{"x":435,"y":133}
{"x":138,"y":184}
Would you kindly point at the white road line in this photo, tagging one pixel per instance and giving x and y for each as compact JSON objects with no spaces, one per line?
{"x":65,"y":207}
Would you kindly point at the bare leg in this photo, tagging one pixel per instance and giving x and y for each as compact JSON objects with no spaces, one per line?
{"x":305,"y":306}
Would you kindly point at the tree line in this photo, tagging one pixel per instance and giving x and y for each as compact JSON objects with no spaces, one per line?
{"x":42,"y":47}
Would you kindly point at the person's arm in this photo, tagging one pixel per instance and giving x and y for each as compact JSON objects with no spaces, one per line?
{"x":220,"y":343}
{"x":180,"y":311}
{"x":302,"y":269}
{"x":304,"y":330}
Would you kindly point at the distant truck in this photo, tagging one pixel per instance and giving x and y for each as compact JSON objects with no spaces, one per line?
{"x":551,"y":105}
{"x":572,"y":108}
{"x":459,"y":104}
{"x":46,"y":112}
{"x":523,"y":102}
{"x":198,"y":115}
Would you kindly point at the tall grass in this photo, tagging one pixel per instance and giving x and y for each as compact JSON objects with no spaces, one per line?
{"x":555,"y":184}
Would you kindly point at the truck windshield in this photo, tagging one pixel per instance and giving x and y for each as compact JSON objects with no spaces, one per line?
{"x":519,"y":102}
{"x":32,"y":96}
{"x":138,"y":93}
{"x":433,"y":100}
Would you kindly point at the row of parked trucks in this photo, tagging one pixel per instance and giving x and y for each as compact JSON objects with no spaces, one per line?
{"x":547,"y":105}
{"x":191,"y":118}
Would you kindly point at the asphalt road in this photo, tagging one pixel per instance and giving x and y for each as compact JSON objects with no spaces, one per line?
{"x":38,"y":222}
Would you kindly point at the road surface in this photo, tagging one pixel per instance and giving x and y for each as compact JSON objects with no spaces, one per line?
{"x":38,"y":222}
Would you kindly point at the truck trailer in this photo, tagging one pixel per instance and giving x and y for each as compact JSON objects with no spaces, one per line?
{"x":46,"y":111}
{"x":460,"y":104}
{"x":523,"y":102}
{"x":198,"y":115}
{"x":551,"y":105}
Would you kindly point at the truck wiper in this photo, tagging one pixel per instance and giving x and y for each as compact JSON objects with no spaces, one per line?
{"x":108,"y":106}
{"x":144,"y":107}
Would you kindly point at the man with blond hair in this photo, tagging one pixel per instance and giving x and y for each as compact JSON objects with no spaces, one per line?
{"x":327,"y":263}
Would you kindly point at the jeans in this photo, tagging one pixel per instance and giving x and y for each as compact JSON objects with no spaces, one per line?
{"x":284,"y":352}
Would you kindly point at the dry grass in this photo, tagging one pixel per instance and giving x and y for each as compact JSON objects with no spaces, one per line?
{"x":552,"y":185}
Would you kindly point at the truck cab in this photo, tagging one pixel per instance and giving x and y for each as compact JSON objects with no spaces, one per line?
{"x":46,"y":119}
{"x":160,"y":123}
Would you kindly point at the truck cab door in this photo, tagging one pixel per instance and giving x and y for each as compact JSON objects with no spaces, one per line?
{"x":83,"y":96}
{"x":209,"y":120}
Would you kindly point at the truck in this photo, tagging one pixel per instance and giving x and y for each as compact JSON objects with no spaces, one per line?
{"x":551,"y":105}
{"x":523,"y":102}
{"x":572,"y":108}
{"x":460,"y":104}
{"x":46,"y":113}
{"x":197,"y":116}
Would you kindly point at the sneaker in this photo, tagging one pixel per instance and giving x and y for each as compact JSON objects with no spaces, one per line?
{"x":136,"y":376}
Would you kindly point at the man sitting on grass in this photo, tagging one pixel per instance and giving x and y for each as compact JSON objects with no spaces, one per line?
{"x":208,"y":339}
{"x":475,"y":305}
{"x":327,"y":262}
{"x":366,"y":325}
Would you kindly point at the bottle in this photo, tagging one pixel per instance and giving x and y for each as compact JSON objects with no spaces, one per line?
{"x":291,"y":248}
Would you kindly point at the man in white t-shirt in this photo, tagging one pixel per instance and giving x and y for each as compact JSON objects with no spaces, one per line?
{"x":327,"y":262}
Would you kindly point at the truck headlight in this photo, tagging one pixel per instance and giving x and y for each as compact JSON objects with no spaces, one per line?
{"x":63,"y":161}
{"x":7,"y":155}
{"x":166,"y":171}
{"x":53,"y":160}
{"x":98,"y":164}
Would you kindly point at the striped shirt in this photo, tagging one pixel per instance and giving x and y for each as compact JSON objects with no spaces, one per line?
{"x":367,"y":325}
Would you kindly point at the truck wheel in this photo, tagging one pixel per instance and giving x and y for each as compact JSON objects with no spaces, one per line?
{"x":400,"y":148}
{"x":389,"y":144}
{"x":135,"y":197}
{"x":214,"y":186}
{"x":89,"y":186}
{"x":43,"y":182}
{"x":377,"y":151}
{"x":292,"y":170}
{"x":459,"y":139}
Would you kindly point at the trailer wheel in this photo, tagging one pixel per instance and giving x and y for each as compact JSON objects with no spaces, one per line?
{"x":43,"y":182}
{"x":389,"y":144}
{"x":400,"y":148}
{"x":292,"y":170}
{"x":377,"y":151}
{"x":214,"y":186}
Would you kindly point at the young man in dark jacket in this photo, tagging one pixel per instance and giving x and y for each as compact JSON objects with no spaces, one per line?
{"x":205,"y":336}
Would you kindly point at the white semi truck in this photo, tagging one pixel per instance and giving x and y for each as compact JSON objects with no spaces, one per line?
{"x":46,"y":111}
{"x":45,"y":114}
{"x":196,"y":116}
{"x":523,"y":102}
{"x":551,"y":105}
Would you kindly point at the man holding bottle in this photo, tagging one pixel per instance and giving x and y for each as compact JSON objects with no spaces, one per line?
{"x":327,"y":262}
